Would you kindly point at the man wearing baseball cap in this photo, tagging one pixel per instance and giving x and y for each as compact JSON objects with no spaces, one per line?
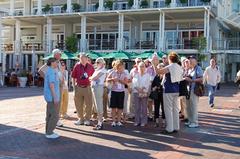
{"x":57,"y":55}
{"x":42,"y":71}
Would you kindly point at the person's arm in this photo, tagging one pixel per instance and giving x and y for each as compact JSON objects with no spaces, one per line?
{"x":55,"y":100}
{"x":205,"y":76}
{"x":42,"y":70}
{"x":219,"y":77}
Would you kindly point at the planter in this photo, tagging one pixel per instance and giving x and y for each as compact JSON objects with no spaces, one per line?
{"x":22,"y":81}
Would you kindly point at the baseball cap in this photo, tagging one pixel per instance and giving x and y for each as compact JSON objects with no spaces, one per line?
{"x":56,"y":51}
{"x":192,"y":57}
{"x":100,"y":60}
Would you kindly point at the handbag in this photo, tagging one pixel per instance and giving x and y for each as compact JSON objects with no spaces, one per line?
{"x":143,"y":95}
{"x":153,"y":95}
{"x":183,"y":91}
{"x":237,"y":80}
{"x":199,"y":88}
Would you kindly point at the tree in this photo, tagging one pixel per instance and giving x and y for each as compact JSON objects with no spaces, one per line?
{"x":144,"y":4}
{"x":130,"y":3}
{"x":108,"y":4}
{"x":71,"y":43}
{"x":200,"y":43}
{"x":46,"y":8}
{"x":76,"y":7}
{"x":64,"y":7}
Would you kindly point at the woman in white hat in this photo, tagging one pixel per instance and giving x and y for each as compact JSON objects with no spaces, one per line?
{"x":97,"y":83}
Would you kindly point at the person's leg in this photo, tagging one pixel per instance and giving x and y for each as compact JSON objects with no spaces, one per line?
{"x":99,"y":102}
{"x":64,"y":102}
{"x":184,"y":104}
{"x":168,"y":102}
{"x":48,"y":117}
{"x":105,"y":102}
{"x":119,"y":114}
{"x":210,"y":94}
{"x":131,"y":105}
{"x":53,"y":117}
{"x":88,"y":101}
{"x":136,"y":108}
{"x":125,"y":106}
{"x":150,"y":108}
{"x":114,"y":110}
{"x":162,"y":105}
{"x":143,"y":105}
{"x":156,"y":111}
{"x":176,"y":124}
{"x":79,"y":101}
{"x":195,"y":100}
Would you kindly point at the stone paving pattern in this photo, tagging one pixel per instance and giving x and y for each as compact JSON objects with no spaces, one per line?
{"x":22,"y":124}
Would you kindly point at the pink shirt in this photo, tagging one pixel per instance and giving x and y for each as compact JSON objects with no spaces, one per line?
{"x":118,"y":87}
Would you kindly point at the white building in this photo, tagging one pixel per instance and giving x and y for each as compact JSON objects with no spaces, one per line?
{"x":27,"y":26}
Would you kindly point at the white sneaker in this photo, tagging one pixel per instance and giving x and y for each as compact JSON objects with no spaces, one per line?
{"x":113,"y":124}
{"x":142,"y":125}
{"x":79,"y":122}
{"x":52,"y":136}
{"x":193,"y":125}
{"x":119,"y":124}
{"x":59,"y":123}
{"x":136,"y":124}
{"x":87,"y":123}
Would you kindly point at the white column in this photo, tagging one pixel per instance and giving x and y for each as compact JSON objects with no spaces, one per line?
{"x":151,"y":3}
{"x":49,"y":35}
{"x":161,"y":37}
{"x":39,"y":12}
{"x":12,"y":3}
{"x":135,"y":4}
{"x":26,"y":62}
{"x":10,"y":61}
{"x":173,"y":3}
{"x":69,"y":6}
{"x":18,"y":37}
{"x":83,"y":46}
{"x":1,"y":46}
{"x":101,"y":5}
{"x":27,"y":7}
{"x":207,"y":28}
{"x":234,"y":71}
{"x":120,"y":32}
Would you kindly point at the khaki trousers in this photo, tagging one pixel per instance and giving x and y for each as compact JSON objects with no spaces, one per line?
{"x":183,"y":106}
{"x":192,"y":108}
{"x":64,"y":102}
{"x":83,"y":98}
{"x":98,"y":98}
{"x":52,"y":116}
{"x":171,"y":110}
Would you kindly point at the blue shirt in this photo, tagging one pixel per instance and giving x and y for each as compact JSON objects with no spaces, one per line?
{"x":195,"y":73}
{"x":51,"y":76}
{"x":168,"y":86}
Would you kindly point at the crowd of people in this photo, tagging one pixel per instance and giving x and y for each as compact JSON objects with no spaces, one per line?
{"x":159,"y":89}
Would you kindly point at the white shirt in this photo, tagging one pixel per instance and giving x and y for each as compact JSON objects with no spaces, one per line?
{"x":238,"y":74}
{"x":143,"y":81}
{"x":100,"y":81}
{"x":211,"y":76}
{"x":65,"y":79}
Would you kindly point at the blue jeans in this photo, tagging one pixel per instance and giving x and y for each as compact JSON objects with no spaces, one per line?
{"x":211,"y":92}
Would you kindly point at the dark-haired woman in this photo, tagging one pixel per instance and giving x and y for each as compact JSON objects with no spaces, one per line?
{"x":172,"y":76}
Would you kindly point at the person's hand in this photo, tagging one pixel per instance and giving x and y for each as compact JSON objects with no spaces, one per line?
{"x":188,"y":79}
{"x":55,"y":101}
{"x":154,"y":88}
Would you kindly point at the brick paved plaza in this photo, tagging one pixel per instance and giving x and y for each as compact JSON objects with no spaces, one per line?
{"x":22,"y":118}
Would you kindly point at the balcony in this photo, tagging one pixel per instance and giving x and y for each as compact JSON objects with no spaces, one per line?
{"x":227,"y":44}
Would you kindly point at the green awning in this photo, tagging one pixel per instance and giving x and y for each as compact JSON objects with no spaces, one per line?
{"x":65,"y":56}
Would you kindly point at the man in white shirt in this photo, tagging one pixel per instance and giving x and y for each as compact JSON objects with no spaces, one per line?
{"x":211,"y":78}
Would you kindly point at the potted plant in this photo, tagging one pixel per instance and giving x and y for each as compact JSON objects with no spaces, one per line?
{"x":97,"y":5}
{"x":64,"y":7}
{"x":71,"y":43}
{"x":144,"y":4}
{"x":108,"y":4}
{"x":183,"y":1}
{"x":46,"y":8}
{"x":22,"y":78}
{"x":76,"y":7}
{"x":206,"y":1}
{"x":167,"y":2}
{"x":130,"y":3}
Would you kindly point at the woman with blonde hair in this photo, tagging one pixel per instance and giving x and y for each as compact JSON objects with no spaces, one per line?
{"x":141,"y":83}
{"x":118,"y":79}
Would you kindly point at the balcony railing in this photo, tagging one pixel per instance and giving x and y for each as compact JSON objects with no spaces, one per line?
{"x":227,"y":44}
{"x":116,"y":6}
